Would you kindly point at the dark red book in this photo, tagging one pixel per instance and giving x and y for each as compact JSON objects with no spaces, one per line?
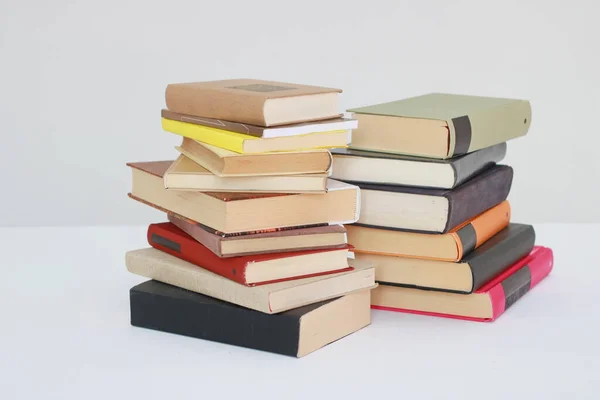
{"x":249,"y":270}
{"x":485,"y":304}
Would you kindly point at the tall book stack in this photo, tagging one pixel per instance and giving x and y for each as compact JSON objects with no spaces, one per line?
{"x":435,"y":220}
{"x":254,"y":252}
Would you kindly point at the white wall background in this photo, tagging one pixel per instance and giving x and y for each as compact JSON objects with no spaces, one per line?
{"x":82,"y":85}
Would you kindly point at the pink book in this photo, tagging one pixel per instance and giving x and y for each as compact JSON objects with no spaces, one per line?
{"x":485,"y":304}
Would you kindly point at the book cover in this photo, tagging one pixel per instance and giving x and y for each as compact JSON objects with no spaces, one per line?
{"x":297,"y":332}
{"x":248,"y":144}
{"x":490,"y":301}
{"x":271,"y":299}
{"x":451,"y":246}
{"x":328,"y":125}
{"x":405,"y":170}
{"x":262,"y":211}
{"x":275,"y":240}
{"x":244,"y":100}
{"x":473,"y":122}
{"x":481,"y":265}
{"x":185,"y":175}
{"x":473,"y":197}
{"x":169,"y":238}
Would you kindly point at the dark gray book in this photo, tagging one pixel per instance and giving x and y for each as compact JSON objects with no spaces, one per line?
{"x":433,"y":210}
{"x":297,"y":332}
{"x":471,"y":273}
{"x":362,"y":166}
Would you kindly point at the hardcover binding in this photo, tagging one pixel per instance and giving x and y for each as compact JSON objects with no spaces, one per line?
{"x":502,"y":290}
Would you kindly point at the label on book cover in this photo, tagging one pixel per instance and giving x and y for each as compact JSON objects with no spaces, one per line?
{"x":516,"y":285}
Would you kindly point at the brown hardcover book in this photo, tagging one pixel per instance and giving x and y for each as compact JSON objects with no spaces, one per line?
{"x":226,"y":163}
{"x":329,"y":125}
{"x":279,"y":241}
{"x":253,"y":101}
{"x":451,"y":246}
{"x":241,"y":212}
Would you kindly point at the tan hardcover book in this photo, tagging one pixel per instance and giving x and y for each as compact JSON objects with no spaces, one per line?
{"x":451,"y":246}
{"x":440,"y":125}
{"x":272,"y":298}
{"x":276,"y":241}
{"x":226,"y":163}
{"x":329,"y":125}
{"x":253,"y":101}
{"x":185,"y":174}
{"x":241,"y":212}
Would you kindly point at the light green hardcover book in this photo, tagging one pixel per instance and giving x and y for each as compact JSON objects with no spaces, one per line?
{"x":439,"y":125}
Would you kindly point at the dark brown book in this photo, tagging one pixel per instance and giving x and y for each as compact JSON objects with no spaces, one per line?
{"x":433,"y":210}
{"x":329,"y":125}
{"x":276,"y":241}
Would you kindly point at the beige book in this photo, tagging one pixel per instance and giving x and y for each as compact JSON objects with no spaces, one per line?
{"x":440,"y":125}
{"x":226,"y":163}
{"x":271,"y":298}
{"x":185,"y":174}
{"x":229,"y":212}
{"x":254,"y":101}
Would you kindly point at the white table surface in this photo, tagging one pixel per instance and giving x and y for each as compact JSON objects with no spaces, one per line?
{"x":65,"y":334}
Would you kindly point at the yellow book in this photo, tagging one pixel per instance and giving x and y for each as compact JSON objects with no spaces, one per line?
{"x":245,"y":144}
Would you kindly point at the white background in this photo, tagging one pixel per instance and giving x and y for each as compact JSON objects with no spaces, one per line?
{"x":82,"y":85}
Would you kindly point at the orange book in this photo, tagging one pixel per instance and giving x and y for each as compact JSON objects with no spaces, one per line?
{"x":451,"y":246}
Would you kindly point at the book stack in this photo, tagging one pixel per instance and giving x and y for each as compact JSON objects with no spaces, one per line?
{"x":435,"y":220}
{"x":254,"y":252}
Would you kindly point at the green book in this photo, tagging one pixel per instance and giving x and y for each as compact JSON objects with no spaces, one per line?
{"x":439,"y":125}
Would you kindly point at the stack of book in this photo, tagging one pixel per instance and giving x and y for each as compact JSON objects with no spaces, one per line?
{"x":435,"y":220}
{"x":254,"y":252}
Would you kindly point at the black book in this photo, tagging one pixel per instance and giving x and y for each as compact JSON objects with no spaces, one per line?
{"x":433,"y":210}
{"x":297,"y":332}
{"x":363,"y":166}
{"x":486,"y":262}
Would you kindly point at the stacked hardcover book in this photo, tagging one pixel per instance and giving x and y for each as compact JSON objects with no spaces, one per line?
{"x":254,"y":252}
{"x":435,"y":220}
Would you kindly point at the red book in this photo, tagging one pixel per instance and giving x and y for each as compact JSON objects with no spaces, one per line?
{"x":485,"y":304}
{"x":249,"y":270}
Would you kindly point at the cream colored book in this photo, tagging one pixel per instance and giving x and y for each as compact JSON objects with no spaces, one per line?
{"x":229,"y":212}
{"x":271,"y":298}
{"x":185,"y":174}
{"x":226,"y":163}
{"x":440,"y":125}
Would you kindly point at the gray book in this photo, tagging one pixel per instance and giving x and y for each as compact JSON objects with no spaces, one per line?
{"x":360,"y":166}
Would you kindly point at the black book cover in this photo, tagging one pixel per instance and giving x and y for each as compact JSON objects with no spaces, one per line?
{"x":500,"y":252}
{"x":464,"y":167}
{"x":473,"y":197}
{"x":162,"y":307}
{"x":492,"y":258}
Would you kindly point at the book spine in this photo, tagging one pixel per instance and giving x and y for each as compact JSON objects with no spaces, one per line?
{"x":474,"y":197}
{"x":195,"y":316}
{"x":217,"y":104}
{"x":227,"y":140}
{"x":489,"y":264}
{"x":186,"y":248}
{"x":489,"y":126}
{"x":471,"y":164}
{"x":520,"y":279}
{"x":481,"y":228}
